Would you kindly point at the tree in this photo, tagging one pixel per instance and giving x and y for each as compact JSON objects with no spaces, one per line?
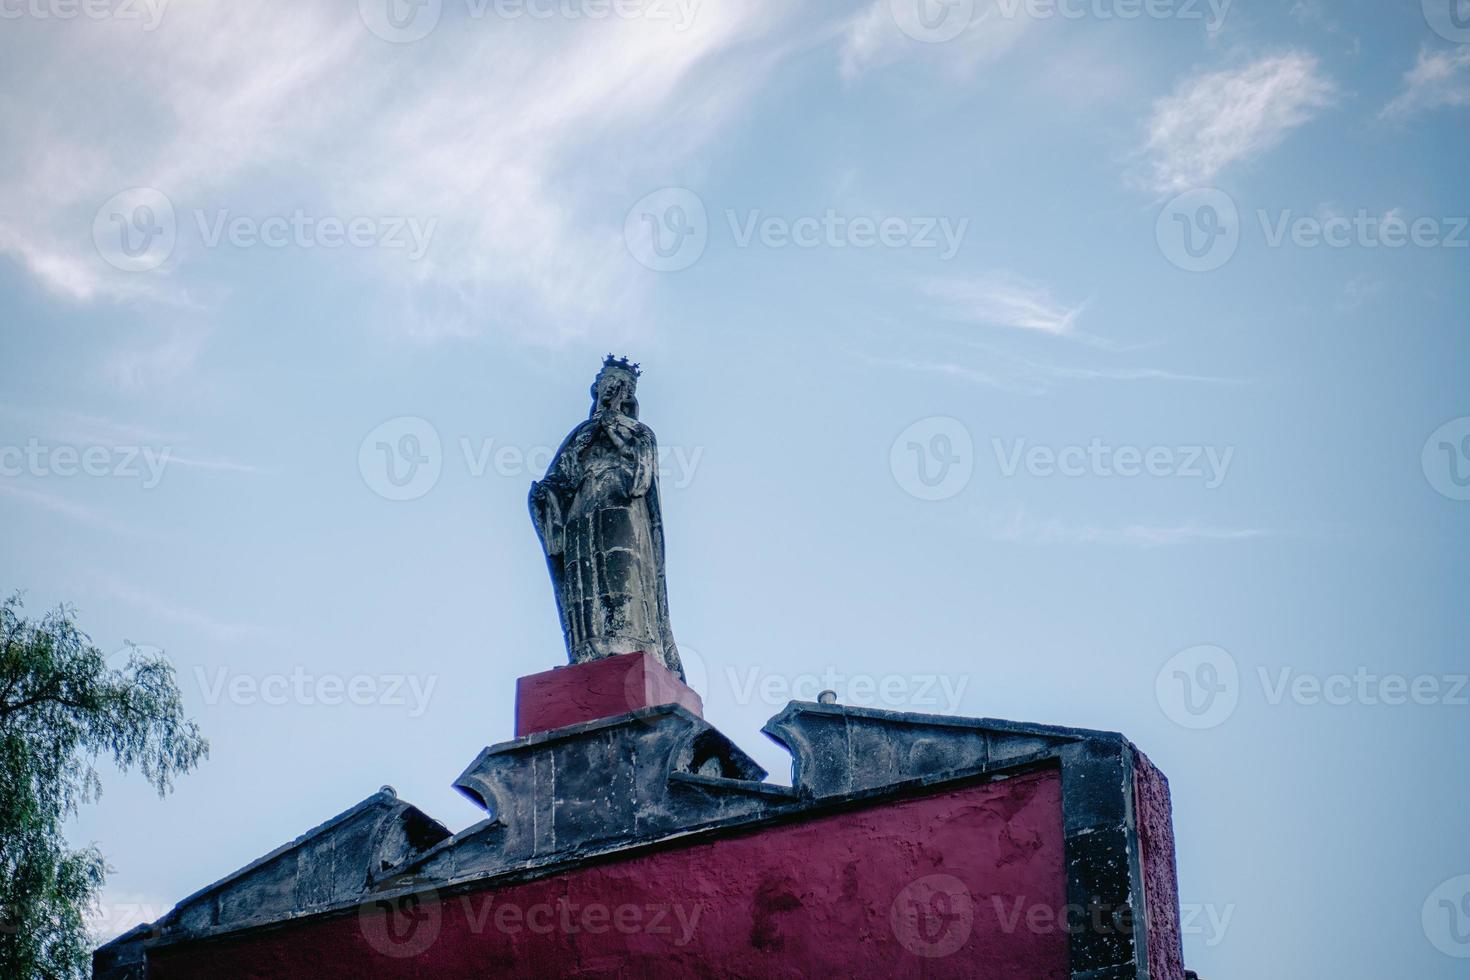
{"x":61,"y":708}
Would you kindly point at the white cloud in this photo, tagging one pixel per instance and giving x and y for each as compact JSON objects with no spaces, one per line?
{"x":1010,"y":372}
{"x":173,"y":612}
{"x":1024,"y":308}
{"x":1440,"y":79}
{"x":1020,"y":528}
{"x":525,"y":138}
{"x":60,"y":506}
{"x":1003,"y":300}
{"x":1217,"y":119}
{"x":873,"y":37}
{"x":81,"y":430}
{"x":157,"y":360}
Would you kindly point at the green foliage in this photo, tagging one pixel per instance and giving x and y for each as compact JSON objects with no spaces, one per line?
{"x":61,"y":708}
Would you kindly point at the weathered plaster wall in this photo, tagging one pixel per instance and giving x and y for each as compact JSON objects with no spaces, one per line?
{"x":1160,"y":873}
{"x":961,"y":883}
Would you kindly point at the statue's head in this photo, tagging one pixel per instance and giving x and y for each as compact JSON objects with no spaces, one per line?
{"x":616,"y":387}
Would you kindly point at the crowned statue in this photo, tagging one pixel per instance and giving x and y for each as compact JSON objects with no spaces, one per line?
{"x":597,"y":515}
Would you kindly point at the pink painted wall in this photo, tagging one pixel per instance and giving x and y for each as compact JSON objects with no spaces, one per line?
{"x":1160,"y":873}
{"x":597,"y":689}
{"x":961,"y":883}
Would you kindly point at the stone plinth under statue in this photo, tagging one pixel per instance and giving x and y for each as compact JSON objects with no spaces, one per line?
{"x":596,"y":689}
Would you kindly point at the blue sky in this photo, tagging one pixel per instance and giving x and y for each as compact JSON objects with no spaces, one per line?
{"x":1098,"y":364}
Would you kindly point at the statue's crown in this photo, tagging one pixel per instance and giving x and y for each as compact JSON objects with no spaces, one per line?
{"x":622,"y":364}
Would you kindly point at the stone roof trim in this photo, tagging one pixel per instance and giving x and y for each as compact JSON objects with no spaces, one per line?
{"x":661,"y":776}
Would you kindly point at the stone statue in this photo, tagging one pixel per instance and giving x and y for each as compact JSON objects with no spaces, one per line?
{"x":597,"y":515}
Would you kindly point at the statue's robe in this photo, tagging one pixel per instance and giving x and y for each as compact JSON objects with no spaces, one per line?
{"x":597,"y":514}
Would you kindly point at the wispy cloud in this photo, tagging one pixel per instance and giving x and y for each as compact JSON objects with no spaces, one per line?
{"x":1439,"y":80}
{"x":213,"y":465}
{"x":1025,"y":310}
{"x":887,"y":30}
{"x":1020,"y":528}
{"x":58,"y":505}
{"x":82,"y":429}
{"x":953,"y":369}
{"x":1003,"y":300}
{"x":155,"y":360}
{"x":527,"y":175}
{"x":1216,"y":119}
{"x":173,"y":612}
{"x":1314,"y":13}
{"x":1010,"y":372}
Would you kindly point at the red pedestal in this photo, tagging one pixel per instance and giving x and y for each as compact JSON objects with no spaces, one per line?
{"x":597,"y":689}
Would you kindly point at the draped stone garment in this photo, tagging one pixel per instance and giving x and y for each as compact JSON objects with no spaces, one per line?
{"x":597,"y":514}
